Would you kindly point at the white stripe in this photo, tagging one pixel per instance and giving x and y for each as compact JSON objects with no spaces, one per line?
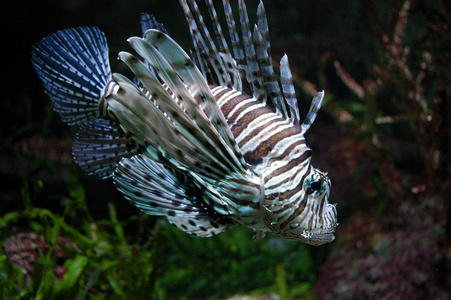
{"x":261,"y":121}
{"x":285,"y":143}
{"x":277,"y":184}
{"x":264,"y":135}
{"x":217,"y":89}
{"x":227,"y":96}
{"x":289,"y":213}
{"x":249,"y":109}
{"x":232,"y":112}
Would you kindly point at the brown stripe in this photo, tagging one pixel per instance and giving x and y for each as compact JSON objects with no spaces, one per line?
{"x":302,"y":203}
{"x":244,"y":182}
{"x":288,"y":194}
{"x":265,"y":147}
{"x":296,"y":212}
{"x":243,"y":123}
{"x":251,"y":115}
{"x":255,"y":157}
{"x":293,"y":163}
{"x":220,"y":94}
{"x":247,"y":203}
{"x":228,"y":106}
{"x":289,"y":149}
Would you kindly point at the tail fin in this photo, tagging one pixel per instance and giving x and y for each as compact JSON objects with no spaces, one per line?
{"x":73,"y":65}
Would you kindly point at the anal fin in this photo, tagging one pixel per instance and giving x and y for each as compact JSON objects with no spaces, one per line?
{"x":99,"y":145}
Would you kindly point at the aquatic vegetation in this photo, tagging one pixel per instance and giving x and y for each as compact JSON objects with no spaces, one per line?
{"x":55,"y":256}
{"x":50,"y":258}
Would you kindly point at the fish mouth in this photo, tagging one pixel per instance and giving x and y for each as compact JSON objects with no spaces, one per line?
{"x":314,"y":237}
{"x":318,"y":239}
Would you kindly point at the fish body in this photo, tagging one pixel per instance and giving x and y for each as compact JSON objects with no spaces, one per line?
{"x":184,"y":140}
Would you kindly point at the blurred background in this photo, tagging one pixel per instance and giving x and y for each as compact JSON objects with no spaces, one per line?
{"x":383,"y":134}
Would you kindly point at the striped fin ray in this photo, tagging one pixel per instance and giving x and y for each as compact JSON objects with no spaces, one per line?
{"x":238,"y":53}
{"x":223,"y":47}
{"x":313,"y":111}
{"x":73,"y":65}
{"x":263,"y":27}
{"x":289,"y":92}
{"x":219,"y":65}
{"x":267,"y":71}
{"x":99,"y":145}
{"x":141,"y":118}
{"x":253,"y":70}
{"x":195,"y":144}
{"x":203,"y":44}
{"x":225,"y":54}
{"x":199,"y":103}
{"x":148,"y":21}
{"x":137,"y":114}
{"x":198,"y":88}
{"x":209,"y":45}
{"x":157,"y":191}
{"x":199,"y":54}
{"x":156,"y":128}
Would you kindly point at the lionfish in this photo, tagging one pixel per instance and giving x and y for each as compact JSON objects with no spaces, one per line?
{"x":194,"y":138}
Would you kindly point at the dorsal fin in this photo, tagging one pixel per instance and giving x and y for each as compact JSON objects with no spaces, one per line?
{"x":222,"y":43}
{"x":289,"y":92}
{"x":253,"y":70}
{"x":313,"y":111}
{"x":238,"y":53}
{"x":254,"y":63}
{"x":216,"y":65}
{"x":267,"y":73}
{"x":262,"y":24}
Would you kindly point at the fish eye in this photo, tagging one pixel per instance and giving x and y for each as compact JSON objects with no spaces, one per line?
{"x":315,"y":186}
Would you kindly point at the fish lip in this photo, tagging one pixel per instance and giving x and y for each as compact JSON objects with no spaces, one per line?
{"x":318,"y":233}
{"x":319,"y":236}
{"x":314,"y":237}
{"x":329,"y":236}
{"x":319,"y":239}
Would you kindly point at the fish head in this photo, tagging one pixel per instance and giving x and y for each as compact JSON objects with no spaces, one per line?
{"x":308,"y":217}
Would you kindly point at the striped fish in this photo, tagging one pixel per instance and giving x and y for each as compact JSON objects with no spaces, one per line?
{"x":207,"y":140}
